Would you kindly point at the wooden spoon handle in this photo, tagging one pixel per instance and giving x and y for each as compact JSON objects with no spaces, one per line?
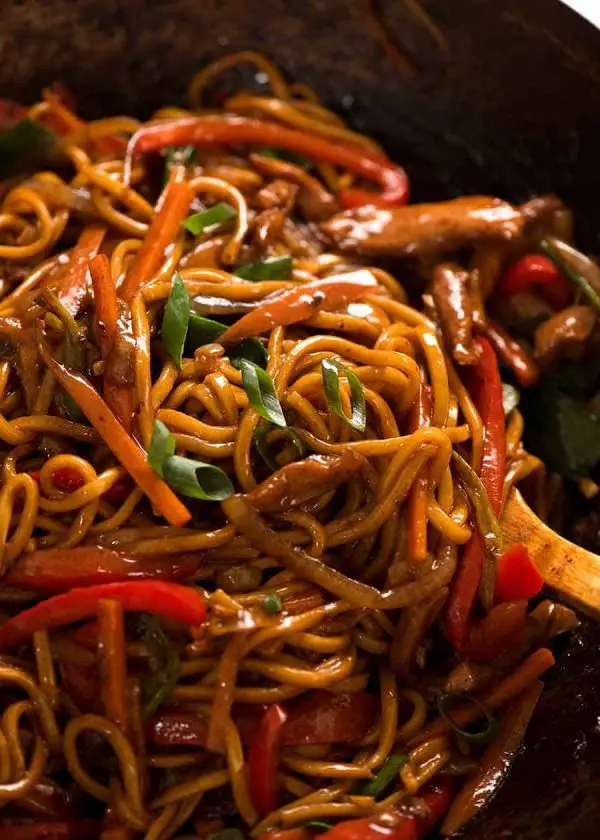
{"x":569,"y":569}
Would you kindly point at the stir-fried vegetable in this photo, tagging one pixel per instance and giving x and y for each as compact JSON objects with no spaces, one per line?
{"x":176,"y":319}
{"x":164,"y":662}
{"x":260,"y":389}
{"x":271,"y":268}
{"x":215,"y":215}
{"x":330,"y":370}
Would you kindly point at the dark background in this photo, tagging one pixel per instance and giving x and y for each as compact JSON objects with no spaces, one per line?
{"x":508,"y":102}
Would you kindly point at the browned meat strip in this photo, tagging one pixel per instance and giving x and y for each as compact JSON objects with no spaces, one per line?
{"x":564,"y":334}
{"x":296,"y":483}
{"x":450,"y":290}
{"x":314,"y":201}
{"x":425,"y":228}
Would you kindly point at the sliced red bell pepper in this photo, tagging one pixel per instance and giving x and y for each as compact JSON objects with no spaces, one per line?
{"x":300,"y":303}
{"x":62,"y":569}
{"x":171,"y":600}
{"x":69,"y":480}
{"x":263,"y":760}
{"x":215,"y":130}
{"x":49,"y":830}
{"x":518,"y":577}
{"x":397,"y":823}
{"x":501,"y":630}
{"x":536,"y":272}
{"x":318,"y":717}
{"x":485,"y":387}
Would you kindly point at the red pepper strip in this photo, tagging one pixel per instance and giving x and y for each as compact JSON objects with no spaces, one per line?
{"x":397,"y":823}
{"x":300,"y":303}
{"x":495,"y":763}
{"x":80,"y":683}
{"x":69,"y":480}
{"x":535,"y":271}
{"x":518,"y":577}
{"x":263,"y":760}
{"x":73,"y":284}
{"x":486,"y":390}
{"x":171,"y":210}
{"x":61,"y":569}
{"x":318,"y":717}
{"x":124,"y":447}
{"x":71,"y":830}
{"x":288,"y":834}
{"x":512,"y":354}
{"x":170,"y":600}
{"x":63,"y":120}
{"x":501,"y":630}
{"x":210,"y":131}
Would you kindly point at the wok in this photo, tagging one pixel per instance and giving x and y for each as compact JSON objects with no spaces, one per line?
{"x":501,"y":97}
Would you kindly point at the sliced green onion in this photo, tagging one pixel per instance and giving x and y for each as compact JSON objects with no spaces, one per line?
{"x":272,"y":604}
{"x":260,"y":436}
{"x":551,"y":250}
{"x":164,"y":662}
{"x":510,"y":398}
{"x":330,"y":371}
{"x":162,"y":446}
{"x":271,"y":268}
{"x":196,"y":479}
{"x":287,"y":156}
{"x":260,"y":390}
{"x":448,"y":701}
{"x":215,"y":215}
{"x":185,"y":476}
{"x":26,"y":144}
{"x":203,"y":331}
{"x":384,"y":777}
{"x":176,"y":319}
{"x":73,"y":357}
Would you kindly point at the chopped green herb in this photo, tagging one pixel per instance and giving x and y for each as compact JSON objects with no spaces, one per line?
{"x":196,"y":479}
{"x":272,"y":603}
{"x":74,"y":357}
{"x":260,"y":390}
{"x":510,"y":398}
{"x":216,"y":215}
{"x":330,"y":371}
{"x":164,"y":662}
{"x":384,"y":777}
{"x":186,"y":476}
{"x":203,"y":331}
{"x":26,"y":145}
{"x":176,"y":319}
{"x":447,"y":702}
{"x":288,"y":156}
{"x":271,"y":268}
{"x":162,"y":446}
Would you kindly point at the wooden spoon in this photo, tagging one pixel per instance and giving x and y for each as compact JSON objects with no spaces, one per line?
{"x":570,"y":570}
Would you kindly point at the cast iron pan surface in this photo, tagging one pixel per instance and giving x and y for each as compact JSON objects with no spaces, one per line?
{"x":507,"y":102}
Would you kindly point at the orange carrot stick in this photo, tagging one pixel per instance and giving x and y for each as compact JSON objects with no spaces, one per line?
{"x":495,"y":762}
{"x":62,"y":120}
{"x":121,"y":444}
{"x":105,"y":301}
{"x":419,"y":494}
{"x":529,"y":670}
{"x":171,"y":210}
{"x":113,"y":661}
{"x":73,"y":284}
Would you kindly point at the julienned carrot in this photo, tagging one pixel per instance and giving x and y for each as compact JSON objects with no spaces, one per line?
{"x":495,"y":762}
{"x":113,"y":662}
{"x":73,"y":285}
{"x":529,"y":670}
{"x":171,"y":210}
{"x":121,"y":444}
{"x":105,"y":303}
{"x":68,"y":122}
{"x":119,"y":396}
{"x":419,"y":494}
